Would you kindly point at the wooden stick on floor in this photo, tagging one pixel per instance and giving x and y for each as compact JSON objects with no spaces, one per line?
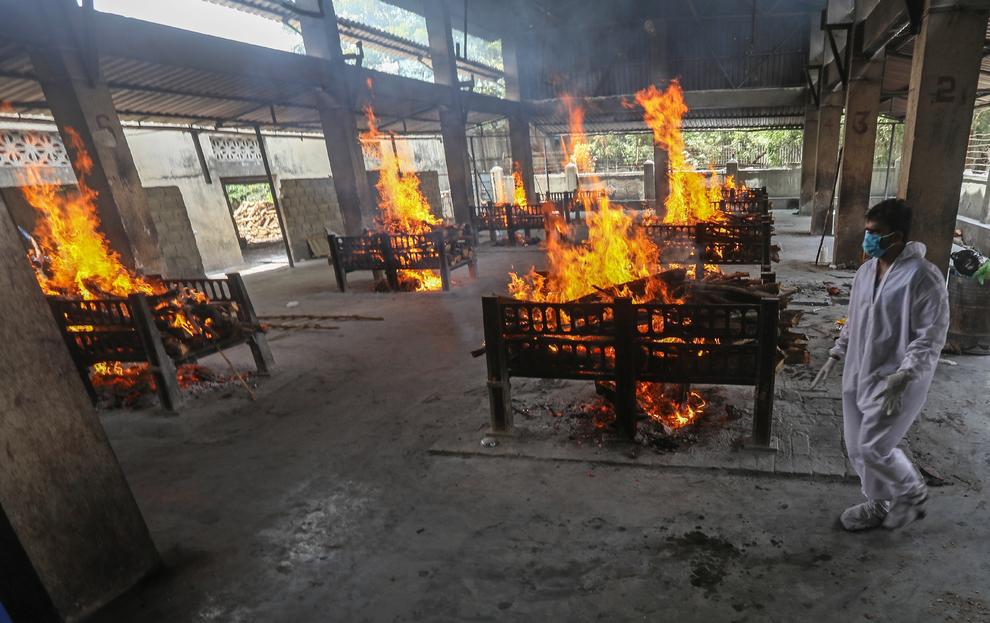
{"x":238,"y":375}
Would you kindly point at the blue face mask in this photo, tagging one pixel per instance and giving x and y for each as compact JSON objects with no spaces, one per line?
{"x":871,"y":244}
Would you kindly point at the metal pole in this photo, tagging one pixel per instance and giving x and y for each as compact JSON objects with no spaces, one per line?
{"x":546,"y":163}
{"x":395,"y":152}
{"x":271,"y":188}
{"x":890,"y":151}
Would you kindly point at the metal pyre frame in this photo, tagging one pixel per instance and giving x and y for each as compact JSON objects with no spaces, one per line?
{"x":124,"y":329}
{"x":626,"y":343}
{"x":746,"y":204}
{"x":509,"y":218}
{"x":390,"y":253}
{"x":737,"y":244}
{"x":572,"y":203}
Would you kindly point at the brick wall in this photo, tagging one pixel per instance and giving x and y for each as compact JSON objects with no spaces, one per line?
{"x":175,"y":232}
{"x":309,"y":207}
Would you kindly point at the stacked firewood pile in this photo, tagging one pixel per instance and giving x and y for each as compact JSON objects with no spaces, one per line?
{"x":725,"y":288}
{"x":189,"y":322}
{"x":257,"y":221}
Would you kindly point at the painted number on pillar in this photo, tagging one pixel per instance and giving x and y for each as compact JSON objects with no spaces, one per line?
{"x":945,"y":90}
{"x":860,"y":124}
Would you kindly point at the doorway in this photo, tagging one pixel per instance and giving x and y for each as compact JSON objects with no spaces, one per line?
{"x":256,"y":221}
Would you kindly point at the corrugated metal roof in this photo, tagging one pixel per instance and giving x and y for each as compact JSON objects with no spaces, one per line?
{"x":158,"y":93}
{"x":353,"y":31}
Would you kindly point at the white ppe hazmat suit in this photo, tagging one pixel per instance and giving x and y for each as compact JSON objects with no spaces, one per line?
{"x":898,"y":325}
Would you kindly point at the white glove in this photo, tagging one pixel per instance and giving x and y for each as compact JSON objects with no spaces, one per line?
{"x":897,"y":384}
{"x":823,"y":373}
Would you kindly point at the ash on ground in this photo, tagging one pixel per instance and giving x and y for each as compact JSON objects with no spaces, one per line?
{"x":132,"y":386}
{"x":574,"y":413}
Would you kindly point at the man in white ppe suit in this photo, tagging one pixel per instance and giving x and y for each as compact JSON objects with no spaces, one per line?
{"x":896,"y":326}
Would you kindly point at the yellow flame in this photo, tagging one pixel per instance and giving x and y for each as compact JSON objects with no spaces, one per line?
{"x":80,"y":262}
{"x":688,"y":201}
{"x":519,"y":197}
{"x":404,"y":209}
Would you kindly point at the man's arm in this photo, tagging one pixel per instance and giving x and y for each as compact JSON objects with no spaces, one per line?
{"x":929,"y":325}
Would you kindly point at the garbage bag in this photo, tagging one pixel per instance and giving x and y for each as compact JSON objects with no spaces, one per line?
{"x":967,"y":262}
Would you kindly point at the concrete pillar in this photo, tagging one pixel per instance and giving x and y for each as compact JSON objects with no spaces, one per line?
{"x":661,"y":170}
{"x":453,"y":118}
{"x":335,"y":103}
{"x":71,"y":536}
{"x":826,"y":159}
{"x":858,"y":146}
{"x":944,"y":74}
{"x":510,"y":67}
{"x":809,"y":160}
{"x":80,"y":102}
{"x":455,"y":151}
{"x":649,"y":181}
{"x":350,"y":179}
{"x":732,"y":168}
{"x":522,"y":152}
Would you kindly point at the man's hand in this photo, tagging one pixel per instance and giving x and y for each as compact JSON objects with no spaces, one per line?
{"x":823,"y":373}
{"x":897,"y":384}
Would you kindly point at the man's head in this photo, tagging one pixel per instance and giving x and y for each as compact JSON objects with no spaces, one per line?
{"x":888,"y":225}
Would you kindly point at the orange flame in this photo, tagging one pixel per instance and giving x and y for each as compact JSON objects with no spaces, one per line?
{"x":714,"y":188}
{"x":661,"y":403}
{"x":616,"y":252}
{"x":688,"y":201}
{"x":577,"y":149}
{"x":519,"y":197}
{"x":80,"y":262}
{"x":404,"y":208}
{"x":74,"y":258}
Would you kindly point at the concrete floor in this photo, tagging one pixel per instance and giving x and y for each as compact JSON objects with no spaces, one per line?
{"x":321,"y":501}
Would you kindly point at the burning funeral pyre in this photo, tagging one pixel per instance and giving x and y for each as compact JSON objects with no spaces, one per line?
{"x":620,"y":265}
{"x":405,"y":221}
{"x":92,"y":294}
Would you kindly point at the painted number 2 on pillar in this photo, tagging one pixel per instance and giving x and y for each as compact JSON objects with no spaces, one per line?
{"x":945,"y":89}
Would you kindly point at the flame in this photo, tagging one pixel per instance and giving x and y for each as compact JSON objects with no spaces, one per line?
{"x":420,"y":280}
{"x":519,"y":197}
{"x":404,"y":209}
{"x":615,"y":253}
{"x":125,"y":384}
{"x":714,"y":188}
{"x":74,"y":259}
{"x":577,"y":149}
{"x":663,"y":404}
{"x":688,"y":201}
{"x":80,"y":262}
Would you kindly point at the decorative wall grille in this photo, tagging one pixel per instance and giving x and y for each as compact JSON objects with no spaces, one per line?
{"x":235,"y":148}
{"x":30,"y":148}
